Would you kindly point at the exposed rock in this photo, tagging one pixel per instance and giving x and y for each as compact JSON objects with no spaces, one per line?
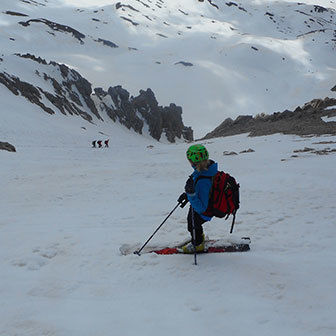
{"x":303,"y":121}
{"x":229,"y":153}
{"x":333,"y":89}
{"x":324,"y":142}
{"x":66,"y":93}
{"x":33,"y":2}
{"x":250,"y":150}
{"x":180,"y":10}
{"x":320,"y":9}
{"x":15,"y":13}
{"x":306,"y":149}
{"x":144,"y":4}
{"x":107,"y":43}
{"x":63,"y":89}
{"x":184,"y":63}
{"x":325,"y":151}
{"x":7,"y":146}
{"x":129,"y":20}
{"x":120,"y":5}
{"x":57,"y":27}
{"x":135,"y":112}
{"x":231,"y":4}
{"x":213,"y":4}
{"x":30,"y":92}
{"x":34,"y":58}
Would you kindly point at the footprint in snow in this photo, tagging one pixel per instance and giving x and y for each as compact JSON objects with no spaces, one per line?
{"x":39,"y":258}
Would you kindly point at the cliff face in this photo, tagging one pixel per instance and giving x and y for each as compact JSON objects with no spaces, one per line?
{"x":55,"y":87}
{"x":302,"y":121}
{"x":144,"y":110}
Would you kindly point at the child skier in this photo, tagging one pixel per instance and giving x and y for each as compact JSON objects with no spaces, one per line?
{"x":197,"y":191}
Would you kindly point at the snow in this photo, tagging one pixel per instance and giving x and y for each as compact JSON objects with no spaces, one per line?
{"x":66,"y":208}
{"x":328,"y":119}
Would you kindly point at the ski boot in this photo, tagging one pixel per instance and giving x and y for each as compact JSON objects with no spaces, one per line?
{"x":189,"y":248}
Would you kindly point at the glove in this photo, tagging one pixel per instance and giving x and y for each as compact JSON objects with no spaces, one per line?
{"x":189,"y":186}
{"x":183,"y":200}
{"x":183,"y":197}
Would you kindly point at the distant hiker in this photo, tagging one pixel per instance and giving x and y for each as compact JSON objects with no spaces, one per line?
{"x":99,"y":142}
{"x":197,"y":191}
{"x":94,"y":144}
{"x":106,"y":142}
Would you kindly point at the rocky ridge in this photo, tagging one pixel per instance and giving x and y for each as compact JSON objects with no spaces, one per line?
{"x":306,"y":120}
{"x":135,"y":112}
{"x":55,"y":87}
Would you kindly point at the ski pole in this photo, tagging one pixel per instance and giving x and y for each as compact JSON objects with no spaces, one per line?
{"x":194,"y":235}
{"x":181,"y":204}
{"x":233,"y":221}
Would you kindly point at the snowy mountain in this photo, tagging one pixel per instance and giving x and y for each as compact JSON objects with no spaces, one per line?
{"x":215,"y":59}
{"x":314,"y":118}
{"x":56,"y":88}
{"x":71,"y":72}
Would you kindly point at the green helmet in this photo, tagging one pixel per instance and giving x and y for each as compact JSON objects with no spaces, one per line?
{"x":197,"y":153}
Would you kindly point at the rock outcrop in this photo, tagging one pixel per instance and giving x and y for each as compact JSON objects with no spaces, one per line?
{"x":304,"y":120}
{"x":58,"y":88}
{"x":7,"y":146}
{"x":137,"y":112}
{"x":56,"y":27}
{"x":67,"y":91}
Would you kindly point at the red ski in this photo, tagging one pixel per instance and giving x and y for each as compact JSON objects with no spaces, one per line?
{"x":211,"y":246}
{"x":231,"y":244}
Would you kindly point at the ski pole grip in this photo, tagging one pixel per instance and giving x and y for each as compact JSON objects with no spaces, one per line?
{"x":184,"y":203}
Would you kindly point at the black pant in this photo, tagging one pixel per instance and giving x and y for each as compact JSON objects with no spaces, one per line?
{"x":198,"y":221}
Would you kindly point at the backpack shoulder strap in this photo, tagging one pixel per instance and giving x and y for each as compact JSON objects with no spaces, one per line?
{"x":201,"y":177}
{"x":212,"y":178}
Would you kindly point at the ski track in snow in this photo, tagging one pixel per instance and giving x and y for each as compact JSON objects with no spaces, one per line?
{"x":66,"y":211}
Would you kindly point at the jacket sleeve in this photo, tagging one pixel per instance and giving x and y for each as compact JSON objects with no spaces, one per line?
{"x":200,"y":199}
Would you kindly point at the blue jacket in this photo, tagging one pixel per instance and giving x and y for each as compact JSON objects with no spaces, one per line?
{"x":200,"y":199}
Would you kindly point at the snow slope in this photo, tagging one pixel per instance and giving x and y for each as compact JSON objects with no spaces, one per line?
{"x":248,"y":58}
{"x":67,"y":208}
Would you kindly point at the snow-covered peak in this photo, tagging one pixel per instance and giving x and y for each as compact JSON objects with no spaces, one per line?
{"x":216,"y":59}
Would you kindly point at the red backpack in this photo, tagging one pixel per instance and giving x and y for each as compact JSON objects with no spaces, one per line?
{"x":224,"y":196}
